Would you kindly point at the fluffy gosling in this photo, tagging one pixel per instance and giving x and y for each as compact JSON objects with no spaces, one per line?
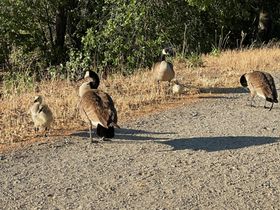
{"x":97,"y":108}
{"x":177,"y":88}
{"x":41,"y":115}
{"x":261,"y":84}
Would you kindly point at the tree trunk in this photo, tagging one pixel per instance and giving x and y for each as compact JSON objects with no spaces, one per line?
{"x":60,"y":26}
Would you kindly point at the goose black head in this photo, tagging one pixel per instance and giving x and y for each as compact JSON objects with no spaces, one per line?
{"x":168,"y":51}
{"x":243,"y":81}
{"x":94,"y":76}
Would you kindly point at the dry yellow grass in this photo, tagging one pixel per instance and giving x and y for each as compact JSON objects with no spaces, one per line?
{"x":134,"y":95}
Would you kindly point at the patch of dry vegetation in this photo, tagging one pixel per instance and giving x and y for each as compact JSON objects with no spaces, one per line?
{"x":134,"y":95}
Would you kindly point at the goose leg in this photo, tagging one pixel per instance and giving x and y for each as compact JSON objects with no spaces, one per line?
{"x":271,"y":106}
{"x":158,"y":87}
{"x":266,"y":107}
{"x":36,"y":129}
{"x":45,"y":133}
{"x":252,"y":100}
{"x":169,"y":87}
{"x":90,"y":134}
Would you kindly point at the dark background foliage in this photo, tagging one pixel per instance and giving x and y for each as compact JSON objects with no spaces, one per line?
{"x":64,"y":37}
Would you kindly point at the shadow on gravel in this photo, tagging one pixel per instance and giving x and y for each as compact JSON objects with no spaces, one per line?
{"x":223,"y":90}
{"x":125,"y":134}
{"x":213,"y":144}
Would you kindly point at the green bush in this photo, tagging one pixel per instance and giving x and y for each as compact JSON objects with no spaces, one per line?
{"x":77,"y":64}
{"x":62,"y":38}
{"x":27,"y":67}
{"x":18,"y":82}
{"x":195,"y":60}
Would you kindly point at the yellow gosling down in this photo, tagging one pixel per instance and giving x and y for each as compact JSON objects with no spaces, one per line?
{"x":41,"y":115}
{"x":97,"y":109}
{"x":261,"y":84}
{"x":177,"y":88}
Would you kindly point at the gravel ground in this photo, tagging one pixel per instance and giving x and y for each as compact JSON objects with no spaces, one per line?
{"x":217,"y":153}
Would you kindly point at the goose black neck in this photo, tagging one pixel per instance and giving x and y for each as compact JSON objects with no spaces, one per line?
{"x":162,"y":57}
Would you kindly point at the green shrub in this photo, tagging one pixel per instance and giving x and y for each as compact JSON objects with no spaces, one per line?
{"x":18,"y":82}
{"x":77,"y":64}
{"x":195,"y":60}
{"x":215,"y":51}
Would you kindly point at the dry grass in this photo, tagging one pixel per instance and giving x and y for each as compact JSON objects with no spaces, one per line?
{"x":134,"y":96}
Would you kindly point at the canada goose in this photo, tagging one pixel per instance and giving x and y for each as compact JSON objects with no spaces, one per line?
{"x":97,"y":108}
{"x":163,"y":70}
{"x":41,"y":115}
{"x":262,"y":84}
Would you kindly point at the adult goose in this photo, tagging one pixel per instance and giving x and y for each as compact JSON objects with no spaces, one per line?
{"x":262,"y":84}
{"x":97,"y":109}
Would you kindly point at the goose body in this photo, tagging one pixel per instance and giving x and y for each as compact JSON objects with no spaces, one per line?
{"x":41,"y":115}
{"x":97,"y":108}
{"x":163,"y":70}
{"x":261,"y":84}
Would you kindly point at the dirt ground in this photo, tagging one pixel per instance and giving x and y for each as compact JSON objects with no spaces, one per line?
{"x":217,"y":153}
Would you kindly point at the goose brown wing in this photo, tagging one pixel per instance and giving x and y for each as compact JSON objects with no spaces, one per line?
{"x":256,"y":79}
{"x":170,"y":64}
{"x":108,"y":107}
{"x":44,"y":108}
{"x":98,"y":106}
{"x":271,"y":83}
{"x":258,"y":82}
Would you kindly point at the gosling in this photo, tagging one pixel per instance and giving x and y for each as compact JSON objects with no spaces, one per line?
{"x":97,"y":109}
{"x":261,"y":84}
{"x":177,"y":88}
{"x":163,"y":70}
{"x":41,"y":115}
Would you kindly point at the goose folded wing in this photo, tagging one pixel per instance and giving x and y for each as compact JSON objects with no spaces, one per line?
{"x":95,"y":107}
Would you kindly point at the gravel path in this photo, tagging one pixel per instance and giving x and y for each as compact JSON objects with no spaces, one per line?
{"x":216,"y":153}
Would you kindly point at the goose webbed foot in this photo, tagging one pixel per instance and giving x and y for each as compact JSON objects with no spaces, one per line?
{"x":104,"y":139}
{"x":266,"y":107}
{"x":93,"y":141}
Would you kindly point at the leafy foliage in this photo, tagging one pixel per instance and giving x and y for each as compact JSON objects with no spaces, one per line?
{"x":70,"y":35}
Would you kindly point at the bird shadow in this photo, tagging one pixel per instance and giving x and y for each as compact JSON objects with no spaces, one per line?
{"x":222,"y":90}
{"x":213,"y":144}
{"x":126,"y":134}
